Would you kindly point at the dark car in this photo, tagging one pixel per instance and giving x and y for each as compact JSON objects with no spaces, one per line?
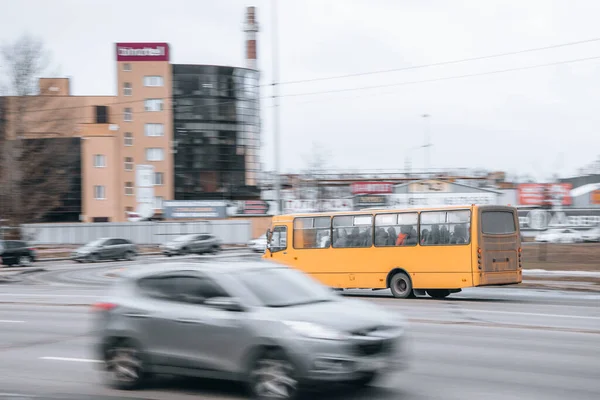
{"x":268,"y":325}
{"x":16,"y":252}
{"x":106,"y":249}
{"x":199,"y":243}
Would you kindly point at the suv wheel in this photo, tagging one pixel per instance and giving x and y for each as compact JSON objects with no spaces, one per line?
{"x":215,"y":249}
{"x":273,"y":377}
{"x":24,"y":261}
{"x":124,"y":366}
{"x":129,"y":256}
{"x":94,"y":257}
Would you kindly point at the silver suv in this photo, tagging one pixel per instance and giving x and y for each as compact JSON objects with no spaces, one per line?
{"x":261,"y":323}
{"x":192,"y":244}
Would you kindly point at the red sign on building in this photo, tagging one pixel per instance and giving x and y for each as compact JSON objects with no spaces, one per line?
{"x":538,"y":194}
{"x":142,"y":52}
{"x":372,"y":187}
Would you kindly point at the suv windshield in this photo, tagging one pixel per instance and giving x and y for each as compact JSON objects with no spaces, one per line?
{"x":94,"y":243}
{"x":283,"y":287}
{"x":184,"y":238}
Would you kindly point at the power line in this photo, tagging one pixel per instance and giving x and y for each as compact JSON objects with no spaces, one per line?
{"x":440,"y":79}
{"x":436,"y":64}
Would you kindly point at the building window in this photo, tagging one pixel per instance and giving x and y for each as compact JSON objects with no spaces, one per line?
{"x":153,"y":81}
{"x":99,"y":192}
{"x":158,"y":202}
{"x":159,"y":178}
{"x":154,"y":129}
{"x":154,"y":154}
{"x":129,"y":188}
{"x":99,"y":160}
{"x":153,"y":104}
{"x":128,"y":139}
{"x":127,"y":90}
{"x":127,"y":67}
{"x":128,"y":163}
{"x":127,"y":115}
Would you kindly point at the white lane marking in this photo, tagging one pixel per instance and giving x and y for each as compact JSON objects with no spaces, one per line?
{"x":529,"y":314}
{"x":10,"y":321}
{"x":84,"y":360}
{"x":45,"y":295}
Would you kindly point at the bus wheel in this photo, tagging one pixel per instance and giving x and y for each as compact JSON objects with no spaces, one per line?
{"x":438,"y":293}
{"x":401,"y":286}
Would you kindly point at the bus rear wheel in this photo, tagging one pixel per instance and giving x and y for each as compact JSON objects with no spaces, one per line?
{"x":438,"y":293}
{"x":401,"y":286}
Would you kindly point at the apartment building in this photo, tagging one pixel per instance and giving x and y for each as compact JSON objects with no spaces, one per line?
{"x":171,"y":132}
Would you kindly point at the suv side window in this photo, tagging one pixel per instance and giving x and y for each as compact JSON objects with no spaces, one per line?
{"x":197,"y":289}
{"x":159,"y":287}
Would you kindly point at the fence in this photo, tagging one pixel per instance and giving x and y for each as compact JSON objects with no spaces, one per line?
{"x":146,"y":233}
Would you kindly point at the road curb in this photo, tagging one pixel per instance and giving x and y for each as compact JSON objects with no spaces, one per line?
{"x":154,"y":253}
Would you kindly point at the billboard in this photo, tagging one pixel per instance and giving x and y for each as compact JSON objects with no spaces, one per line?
{"x":144,"y":191}
{"x":429,"y":199}
{"x":251,"y":207}
{"x":430,"y":186}
{"x":370,"y":200}
{"x":536,"y":194}
{"x":142,"y":51}
{"x":371,"y":187}
{"x":299,"y":206}
{"x":539,"y":219}
{"x":182,"y":209}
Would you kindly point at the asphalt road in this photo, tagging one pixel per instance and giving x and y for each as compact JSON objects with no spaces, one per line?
{"x":479,"y":344}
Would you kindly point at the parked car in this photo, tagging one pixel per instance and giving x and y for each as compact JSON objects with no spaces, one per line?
{"x":259,"y":244}
{"x":591,"y":235}
{"x":16,"y":252}
{"x":198,"y":243}
{"x":268,"y":325}
{"x":560,"y":236}
{"x":106,"y":249}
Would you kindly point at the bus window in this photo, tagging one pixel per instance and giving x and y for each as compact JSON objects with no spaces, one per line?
{"x":445,"y":227}
{"x":352,"y":231}
{"x":498,"y":222}
{"x":312,"y":232}
{"x":396,"y":229}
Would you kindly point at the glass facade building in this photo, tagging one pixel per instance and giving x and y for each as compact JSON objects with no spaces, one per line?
{"x":216,"y":117}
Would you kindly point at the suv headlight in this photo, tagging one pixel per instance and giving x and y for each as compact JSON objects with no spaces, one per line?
{"x":314,"y":331}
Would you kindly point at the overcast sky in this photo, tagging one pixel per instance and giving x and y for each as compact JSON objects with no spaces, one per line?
{"x":531,"y":121}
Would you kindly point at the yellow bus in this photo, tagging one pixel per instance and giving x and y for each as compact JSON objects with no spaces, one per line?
{"x":413,"y":252}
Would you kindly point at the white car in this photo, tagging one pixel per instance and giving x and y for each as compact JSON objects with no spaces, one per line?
{"x":259,"y":244}
{"x":592,"y":235}
{"x":560,"y":236}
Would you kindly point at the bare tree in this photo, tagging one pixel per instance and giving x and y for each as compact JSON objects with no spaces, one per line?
{"x":317,"y":164}
{"x":35,"y":137}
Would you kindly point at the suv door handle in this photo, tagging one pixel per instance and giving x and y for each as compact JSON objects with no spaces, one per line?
{"x":136,"y":315}
{"x":189,"y":321}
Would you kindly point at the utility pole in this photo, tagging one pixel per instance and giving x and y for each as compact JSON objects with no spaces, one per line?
{"x":274,"y":40}
{"x":426,"y":143}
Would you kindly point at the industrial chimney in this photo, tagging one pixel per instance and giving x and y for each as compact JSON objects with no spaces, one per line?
{"x":251,"y":27}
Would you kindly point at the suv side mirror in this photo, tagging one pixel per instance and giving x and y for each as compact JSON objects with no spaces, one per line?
{"x":268,"y":237}
{"x":225,"y":304}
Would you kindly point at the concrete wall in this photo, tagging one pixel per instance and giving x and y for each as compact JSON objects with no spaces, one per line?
{"x":151,"y":233}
